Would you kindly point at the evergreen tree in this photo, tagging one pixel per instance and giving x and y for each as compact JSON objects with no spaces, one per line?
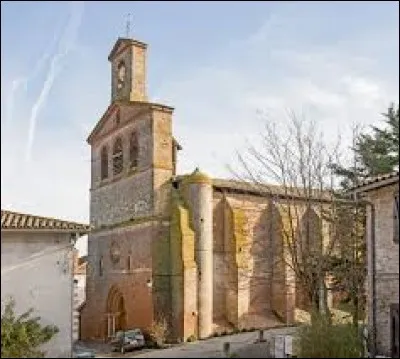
{"x":379,"y":151}
{"x":374,"y":153}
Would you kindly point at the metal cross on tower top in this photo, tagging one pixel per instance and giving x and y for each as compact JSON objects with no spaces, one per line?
{"x":128,"y":25}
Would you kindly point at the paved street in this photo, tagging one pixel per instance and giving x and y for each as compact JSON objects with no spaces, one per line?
{"x":241,"y":344}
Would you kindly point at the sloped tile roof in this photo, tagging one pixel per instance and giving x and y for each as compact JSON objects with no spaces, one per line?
{"x":259,"y":189}
{"x":270,"y":189}
{"x":21,"y":221}
{"x":379,"y":178}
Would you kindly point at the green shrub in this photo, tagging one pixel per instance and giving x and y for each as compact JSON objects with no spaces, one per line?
{"x":21,"y":337}
{"x":325,"y":340}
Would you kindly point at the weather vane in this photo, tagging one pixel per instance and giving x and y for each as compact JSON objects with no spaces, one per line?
{"x":128,"y":25}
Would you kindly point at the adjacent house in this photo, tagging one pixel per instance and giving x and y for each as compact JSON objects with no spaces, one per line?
{"x":80,"y":266}
{"x":36,"y":270}
{"x":382,"y":194}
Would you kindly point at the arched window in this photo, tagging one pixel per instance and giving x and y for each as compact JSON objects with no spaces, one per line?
{"x":118,"y":158}
{"x":104,"y":163}
{"x":134,"y":149}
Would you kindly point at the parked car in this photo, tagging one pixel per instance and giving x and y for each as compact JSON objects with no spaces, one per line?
{"x":83,"y":353}
{"x":127,"y":340}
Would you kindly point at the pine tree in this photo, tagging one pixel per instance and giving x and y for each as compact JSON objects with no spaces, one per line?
{"x":379,"y":151}
{"x":375,"y":153}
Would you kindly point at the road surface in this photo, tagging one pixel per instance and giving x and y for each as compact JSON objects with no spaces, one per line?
{"x":241,"y":344}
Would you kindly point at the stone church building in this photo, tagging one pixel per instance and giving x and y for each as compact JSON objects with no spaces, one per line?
{"x":197,"y":251}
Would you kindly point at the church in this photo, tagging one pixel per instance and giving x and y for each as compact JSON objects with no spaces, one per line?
{"x":198,"y":252}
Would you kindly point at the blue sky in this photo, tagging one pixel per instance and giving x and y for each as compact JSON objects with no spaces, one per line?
{"x":217,"y":63}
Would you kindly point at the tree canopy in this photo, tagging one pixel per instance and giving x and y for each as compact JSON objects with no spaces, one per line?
{"x":376,"y":152}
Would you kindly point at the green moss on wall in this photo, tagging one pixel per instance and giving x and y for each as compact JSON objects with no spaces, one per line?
{"x":130,"y":222}
{"x":181,"y":234}
{"x":240,"y":238}
{"x":197,"y":177}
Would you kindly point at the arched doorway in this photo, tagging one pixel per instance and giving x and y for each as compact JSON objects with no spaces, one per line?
{"x":115,"y":311}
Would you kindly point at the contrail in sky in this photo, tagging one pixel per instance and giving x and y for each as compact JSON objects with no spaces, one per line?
{"x":22,"y":81}
{"x":66,"y":43}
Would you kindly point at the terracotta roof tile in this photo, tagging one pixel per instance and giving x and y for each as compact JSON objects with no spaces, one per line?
{"x":379,"y":178}
{"x":19,"y":221}
{"x":265,"y":189}
{"x":272,"y":189}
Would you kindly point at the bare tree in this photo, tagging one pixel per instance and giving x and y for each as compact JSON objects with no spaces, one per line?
{"x":348,"y":265}
{"x":294,"y":170}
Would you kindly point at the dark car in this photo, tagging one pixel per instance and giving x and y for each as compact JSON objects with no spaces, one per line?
{"x":127,"y":340}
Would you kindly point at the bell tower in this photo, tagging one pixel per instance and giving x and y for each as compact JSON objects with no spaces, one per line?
{"x":128,"y":70}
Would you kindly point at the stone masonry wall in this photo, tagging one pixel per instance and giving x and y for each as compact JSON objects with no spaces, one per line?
{"x":162,"y":160}
{"x":387,"y":264}
{"x":129,"y":194}
{"x":134,"y":57}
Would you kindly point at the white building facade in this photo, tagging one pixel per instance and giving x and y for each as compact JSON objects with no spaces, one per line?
{"x":37,"y":272}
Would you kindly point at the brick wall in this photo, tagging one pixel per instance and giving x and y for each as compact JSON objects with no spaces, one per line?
{"x":134,"y":283}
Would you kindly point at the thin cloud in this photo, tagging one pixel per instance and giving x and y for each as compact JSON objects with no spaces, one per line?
{"x":20,"y":84}
{"x":331,"y":83}
{"x":272,"y":69}
{"x":66,"y":42}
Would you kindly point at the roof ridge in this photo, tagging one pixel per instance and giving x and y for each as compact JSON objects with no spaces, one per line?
{"x":13,"y":220}
{"x":42,"y":217}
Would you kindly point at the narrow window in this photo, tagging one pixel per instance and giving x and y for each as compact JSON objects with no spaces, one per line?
{"x":118,"y":158}
{"x":104,"y":163}
{"x":117,"y":118}
{"x":101,"y":266}
{"x":134,"y":149}
{"x":396,"y":218}
{"x":394,"y":330}
{"x":129,"y":262}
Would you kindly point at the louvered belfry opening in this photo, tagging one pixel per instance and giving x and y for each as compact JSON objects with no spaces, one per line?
{"x":118,"y":158}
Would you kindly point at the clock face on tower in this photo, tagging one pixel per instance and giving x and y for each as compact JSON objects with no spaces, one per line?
{"x":121,"y":75}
